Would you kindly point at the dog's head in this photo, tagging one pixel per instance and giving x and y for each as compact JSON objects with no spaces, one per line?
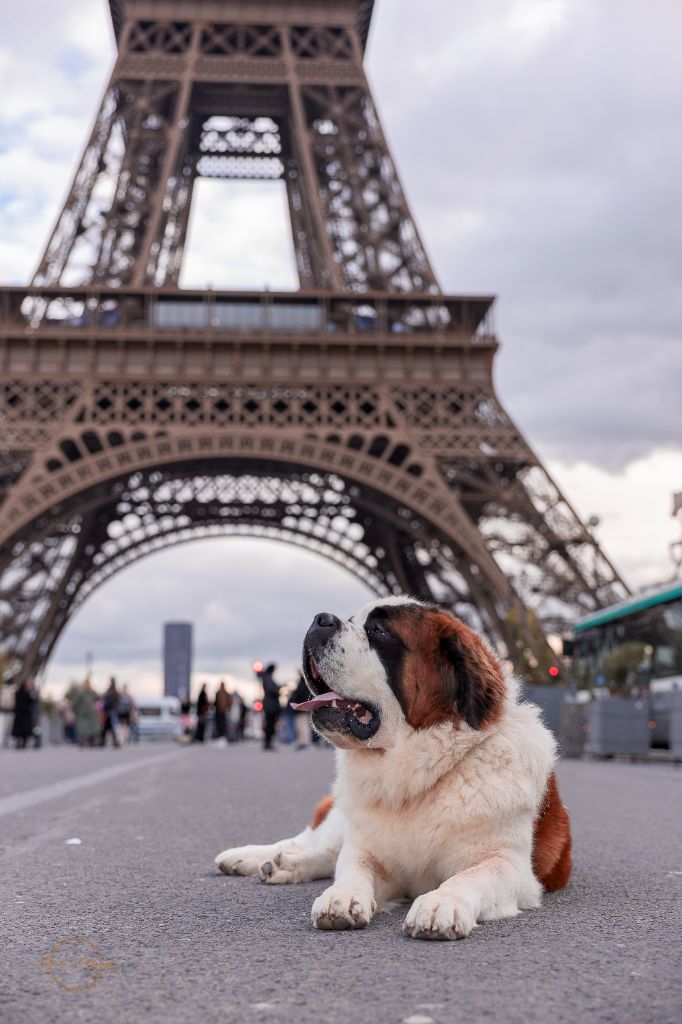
{"x":397,"y":663}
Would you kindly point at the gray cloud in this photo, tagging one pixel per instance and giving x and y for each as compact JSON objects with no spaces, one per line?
{"x":540,"y":147}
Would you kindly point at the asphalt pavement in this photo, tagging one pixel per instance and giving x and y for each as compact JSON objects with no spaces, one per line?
{"x":132,"y":924}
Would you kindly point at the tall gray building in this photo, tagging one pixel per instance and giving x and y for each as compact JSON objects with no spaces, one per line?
{"x":177,"y":658}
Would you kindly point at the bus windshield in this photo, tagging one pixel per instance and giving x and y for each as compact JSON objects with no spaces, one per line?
{"x":635,"y":644}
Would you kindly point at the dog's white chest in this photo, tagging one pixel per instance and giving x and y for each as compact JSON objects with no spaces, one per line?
{"x":424,"y":842}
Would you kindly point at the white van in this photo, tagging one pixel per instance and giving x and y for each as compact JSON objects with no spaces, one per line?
{"x":159,"y":718}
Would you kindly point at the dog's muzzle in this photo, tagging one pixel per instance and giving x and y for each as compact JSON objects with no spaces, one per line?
{"x":322,"y":629}
{"x":333,"y":712}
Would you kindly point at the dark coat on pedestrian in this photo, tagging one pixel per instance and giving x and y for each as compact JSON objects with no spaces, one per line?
{"x":223,"y":700}
{"x":271,"y":705}
{"x":202,"y":714}
{"x":202,"y":702}
{"x":111,"y":699}
{"x":24,"y":712}
{"x":301,"y":693}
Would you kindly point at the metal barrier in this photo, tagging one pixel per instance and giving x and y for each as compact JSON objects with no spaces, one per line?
{"x":618,"y":725}
{"x":675,"y":724}
{"x":610,"y":725}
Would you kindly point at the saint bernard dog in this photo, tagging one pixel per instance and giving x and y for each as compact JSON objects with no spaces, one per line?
{"x":444,"y":793}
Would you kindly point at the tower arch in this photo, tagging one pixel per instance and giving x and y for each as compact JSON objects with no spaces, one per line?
{"x":113,"y":506}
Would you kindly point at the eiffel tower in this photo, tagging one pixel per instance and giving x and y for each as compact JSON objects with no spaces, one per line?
{"x":355,"y":417}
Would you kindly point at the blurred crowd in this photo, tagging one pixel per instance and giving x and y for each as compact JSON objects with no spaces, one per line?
{"x":227,"y":717}
{"x":84,"y":717}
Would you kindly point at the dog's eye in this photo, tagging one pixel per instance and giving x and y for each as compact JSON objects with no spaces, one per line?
{"x":376,"y":629}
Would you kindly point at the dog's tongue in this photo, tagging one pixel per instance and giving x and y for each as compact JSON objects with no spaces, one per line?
{"x":320,"y":701}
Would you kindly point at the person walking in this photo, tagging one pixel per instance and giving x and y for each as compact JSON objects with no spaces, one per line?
{"x":111,"y":703}
{"x":222,"y":703}
{"x":202,"y":714}
{"x":271,"y":706}
{"x":134,"y":724}
{"x":288,"y":728}
{"x":233,"y":717}
{"x":186,"y":718}
{"x":87,"y":715}
{"x":22,"y":726}
{"x":36,"y":712}
{"x":243,"y":712}
{"x":126,"y":714}
{"x":301,"y":718}
{"x":8,"y":692}
{"x":68,"y":720}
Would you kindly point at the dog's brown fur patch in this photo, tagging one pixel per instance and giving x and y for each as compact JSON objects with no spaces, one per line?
{"x":447,"y":669}
{"x":552,"y":861}
{"x":321,"y":810}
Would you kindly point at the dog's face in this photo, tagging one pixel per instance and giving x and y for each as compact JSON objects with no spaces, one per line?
{"x":397,"y":664}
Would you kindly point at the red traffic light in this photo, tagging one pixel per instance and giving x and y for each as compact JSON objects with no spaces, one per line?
{"x":257,"y":667}
{"x":258,"y":705}
{"x":553,"y":671}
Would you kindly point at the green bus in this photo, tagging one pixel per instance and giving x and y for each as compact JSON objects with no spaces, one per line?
{"x":648,"y":625}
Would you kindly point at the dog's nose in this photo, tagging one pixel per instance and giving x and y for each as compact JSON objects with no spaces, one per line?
{"x":322,"y":629}
{"x":326,"y":621}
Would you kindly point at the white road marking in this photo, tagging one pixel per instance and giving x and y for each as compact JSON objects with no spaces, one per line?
{"x":39,"y":795}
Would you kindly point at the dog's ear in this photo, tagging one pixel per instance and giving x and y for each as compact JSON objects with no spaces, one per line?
{"x":472,"y":676}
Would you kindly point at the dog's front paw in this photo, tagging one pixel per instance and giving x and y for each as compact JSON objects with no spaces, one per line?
{"x":436,"y":915}
{"x":240,"y":860}
{"x":284,"y":868}
{"x":340,"y":907}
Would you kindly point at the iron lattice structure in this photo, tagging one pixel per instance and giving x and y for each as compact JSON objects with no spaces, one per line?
{"x":356,"y":417}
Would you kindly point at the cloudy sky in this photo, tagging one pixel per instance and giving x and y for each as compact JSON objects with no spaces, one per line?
{"x":539,"y":144}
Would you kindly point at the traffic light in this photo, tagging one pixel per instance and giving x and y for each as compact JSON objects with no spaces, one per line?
{"x":257,"y":667}
{"x":554,"y":671}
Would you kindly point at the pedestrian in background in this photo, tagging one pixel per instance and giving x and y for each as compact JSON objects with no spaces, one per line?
{"x":134,"y":724}
{"x":301,"y":718}
{"x":243,"y":712}
{"x":271,"y":706}
{"x":288,"y":729}
{"x":222,"y":704}
{"x":110,"y":713}
{"x":68,"y":719}
{"x":7,"y":694}
{"x":87,"y":715}
{"x":202,"y":714}
{"x":234,"y":717}
{"x":37,"y":710}
{"x":186,"y":718}
{"x":126,"y":714}
{"x":24,"y":712}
